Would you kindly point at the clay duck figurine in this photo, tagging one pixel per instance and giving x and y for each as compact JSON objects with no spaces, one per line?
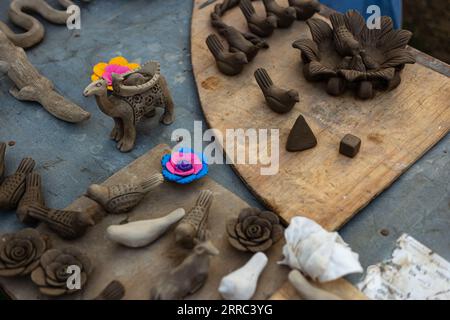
{"x":305,"y":8}
{"x":193,"y":225}
{"x":188,"y":277}
{"x":279,"y":100}
{"x":2,"y":160}
{"x":229,"y":63}
{"x":123,"y":197}
{"x":13,"y":187}
{"x":67,"y":224}
{"x":33,"y":195}
{"x":261,"y":26}
{"x":239,"y":42}
{"x":345,"y":42}
{"x":285,"y":16}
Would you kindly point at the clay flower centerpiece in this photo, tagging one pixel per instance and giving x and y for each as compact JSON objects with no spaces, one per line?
{"x":352,"y":55}
{"x":52,"y":273}
{"x":184,"y":166}
{"x":20,"y":252}
{"x":254,"y":230}
{"x":117,"y":65}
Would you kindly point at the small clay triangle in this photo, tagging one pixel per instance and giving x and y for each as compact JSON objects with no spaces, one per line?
{"x":301,"y":136}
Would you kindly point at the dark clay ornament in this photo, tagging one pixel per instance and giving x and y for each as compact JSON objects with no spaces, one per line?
{"x":301,"y":136}
{"x":350,"y":55}
{"x":305,"y":8}
{"x":188,"y":277}
{"x":259,"y":25}
{"x":33,"y":196}
{"x":229,"y":63}
{"x":278,"y":99}
{"x":285,"y":16}
{"x":123,"y":198}
{"x":66,"y":224}
{"x":13,"y":186}
{"x":113,"y":291}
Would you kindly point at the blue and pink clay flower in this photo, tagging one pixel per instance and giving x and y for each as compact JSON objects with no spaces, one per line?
{"x":184,"y":166}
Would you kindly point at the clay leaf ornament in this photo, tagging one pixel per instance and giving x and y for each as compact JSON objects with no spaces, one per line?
{"x":141,"y":233}
{"x":13,"y":187}
{"x":188,"y":277}
{"x":34,"y":29}
{"x":306,"y":290}
{"x":131,"y":100}
{"x":305,"y":8}
{"x":193,"y":225}
{"x":30,"y":85}
{"x":321,"y":255}
{"x":53,"y":271}
{"x":301,"y":136}
{"x":66,"y":224}
{"x":123,"y":198}
{"x":20,"y":252}
{"x":33,"y":196}
{"x":285,"y":16}
{"x":229,"y":63}
{"x":113,"y":291}
{"x":259,"y":25}
{"x":278,"y":99}
{"x":241,"y":284}
{"x":349,"y":55}
{"x":254,"y":230}
{"x":2,"y":160}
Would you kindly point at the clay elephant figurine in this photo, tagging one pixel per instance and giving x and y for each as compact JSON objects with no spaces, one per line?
{"x":135,"y":94}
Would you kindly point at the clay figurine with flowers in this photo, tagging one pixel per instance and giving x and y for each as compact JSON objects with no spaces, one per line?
{"x":127,"y":92}
{"x":184,"y":166}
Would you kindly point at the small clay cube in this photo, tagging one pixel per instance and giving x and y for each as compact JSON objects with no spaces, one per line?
{"x":350,"y":145}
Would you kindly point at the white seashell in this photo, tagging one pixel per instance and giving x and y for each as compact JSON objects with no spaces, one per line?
{"x":241,"y":284}
{"x":141,"y":233}
{"x":322,"y":255}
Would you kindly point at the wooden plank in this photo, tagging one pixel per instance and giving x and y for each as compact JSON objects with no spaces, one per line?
{"x":396,"y":128}
{"x":138,"y":269}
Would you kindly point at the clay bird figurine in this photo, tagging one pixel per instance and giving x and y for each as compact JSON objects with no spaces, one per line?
{"x":308,"y":291}
{"x":238,"y":41}
{"x":285,"y":16}
{"x":67,"y":224}
{"x":2,"y":160}
{"x":305,"y":8}
{"x":13,"y":187}
{"x":188,"y":277}
{"x":345,"y":42}
{"x":113,"y":291}
{"x":123,"y":197}
{"x":33,"y":195}
{"x":193,"y":225}
{"x":241,"y":284}
{"x":141,"y":233}
{"x":261,"y":26}
{"x":278,"y":99}
{"x":229,"y":63}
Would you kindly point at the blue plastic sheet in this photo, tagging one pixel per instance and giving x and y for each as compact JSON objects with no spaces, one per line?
{"x":392,"y":8}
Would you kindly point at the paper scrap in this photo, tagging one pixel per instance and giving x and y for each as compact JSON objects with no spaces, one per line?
{"x":413,"y":273}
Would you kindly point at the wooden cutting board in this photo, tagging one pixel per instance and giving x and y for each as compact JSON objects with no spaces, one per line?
{"x":138,"y":269}
{"x":396,"y":128}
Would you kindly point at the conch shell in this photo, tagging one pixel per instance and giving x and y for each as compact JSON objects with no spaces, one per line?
{"x":322,"y":255}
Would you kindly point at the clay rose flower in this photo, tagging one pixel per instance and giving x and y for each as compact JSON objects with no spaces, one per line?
{"x":183,"y":166}
{"x":52,"y":273}
{"x":254,"y":230}
{"x":118,"y":65}
{"x":20,"y":252}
